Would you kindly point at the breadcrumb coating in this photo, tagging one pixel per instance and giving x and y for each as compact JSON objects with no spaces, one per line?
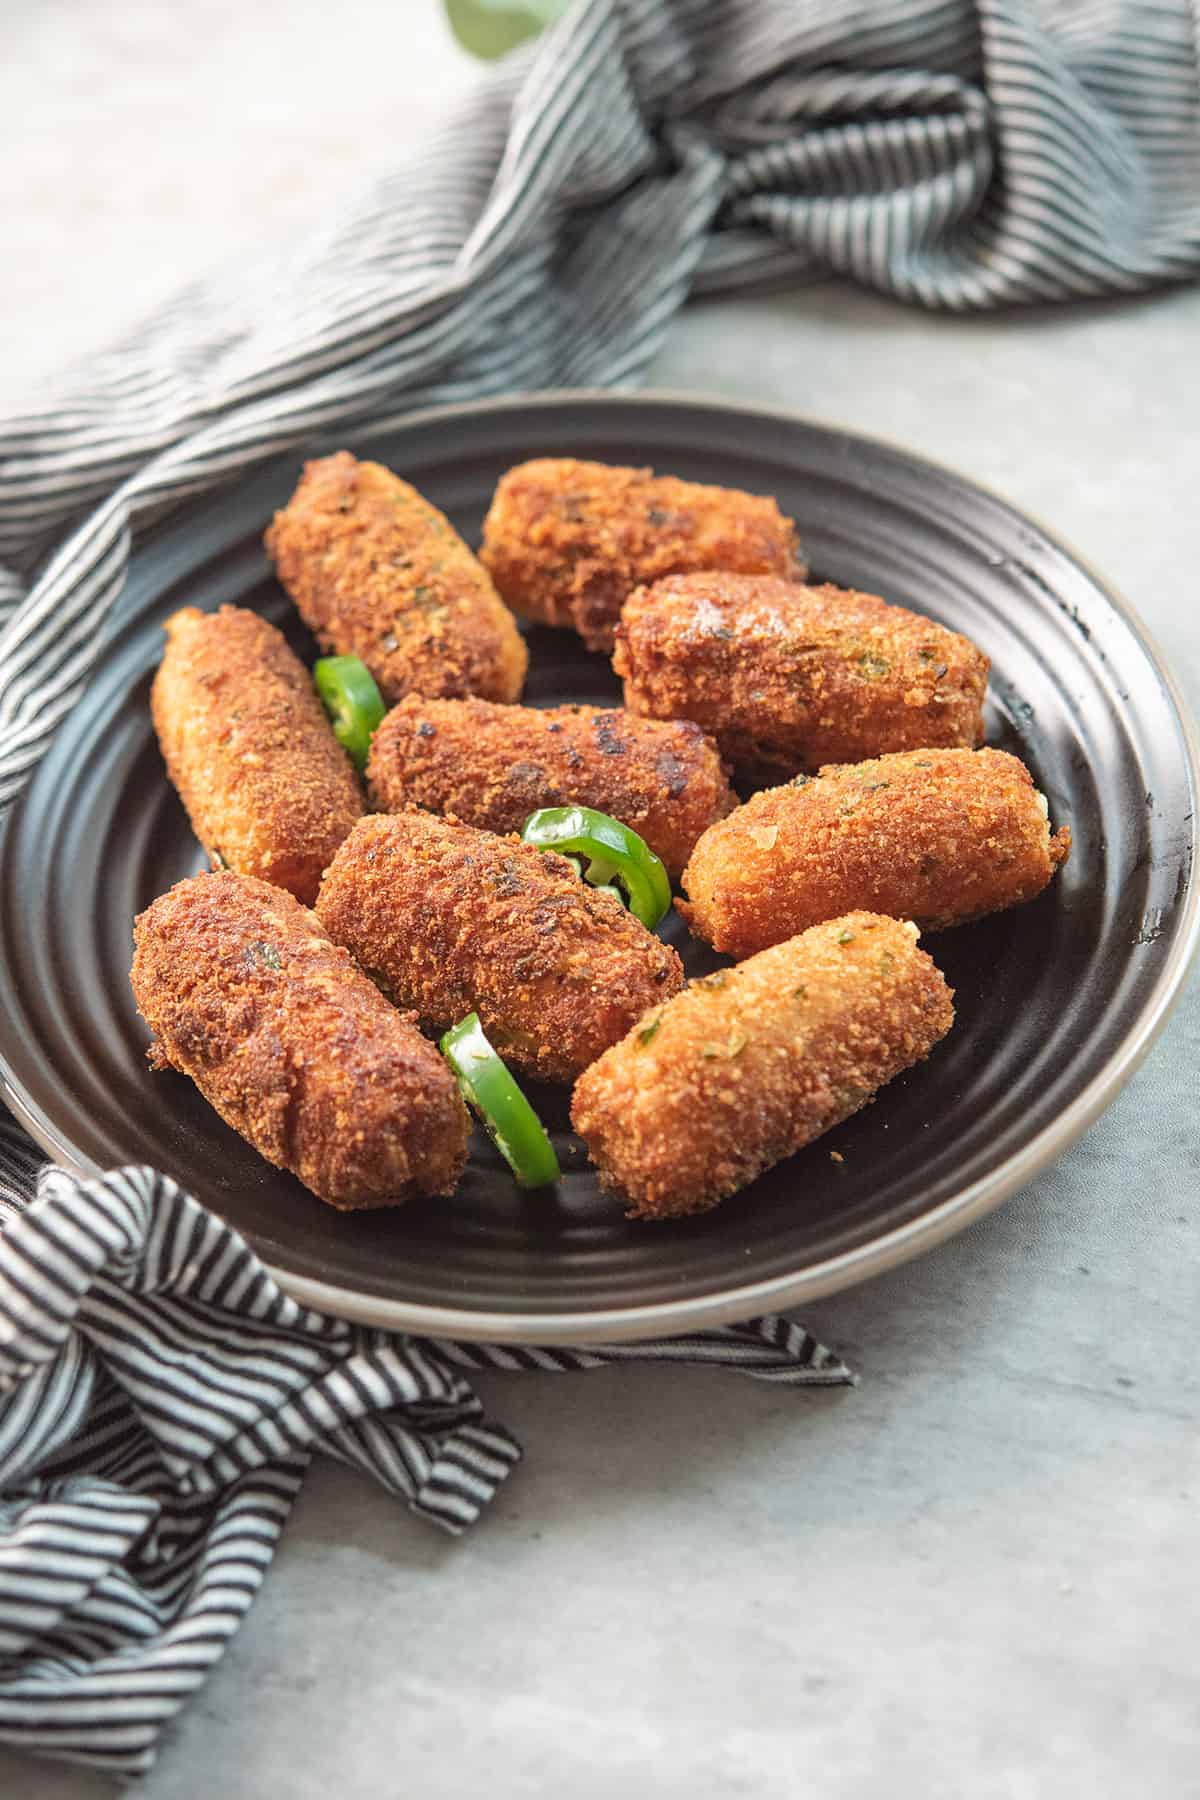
{"x":267,"y":787}
{"x":787,"y":677}
{"x":379,"y":573}
{"x":293,"y":1046}
{"x":451,"y":920}
{"x":939,"y":836}
{"x":742,"y":1069}
{"x":566,"y":542}
{"x":491,"y":766}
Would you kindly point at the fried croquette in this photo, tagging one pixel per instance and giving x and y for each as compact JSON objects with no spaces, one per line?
{"x":293,"y":1046}
{"x":745,"y":1067}
{"x":566,"y":542}
{"x":378,"y":573}
{"x":267,"y":787}
{"x":450,"y":920}
{"x":786,"y":677}
{"x":491,"y":766}
{"x":939,"y":836}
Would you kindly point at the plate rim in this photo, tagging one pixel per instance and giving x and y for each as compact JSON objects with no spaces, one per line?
{"x":894,"y":1247}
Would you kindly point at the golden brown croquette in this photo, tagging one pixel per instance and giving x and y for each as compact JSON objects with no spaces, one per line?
{"x":491,"y":766}
{"x":267,"y":787}
{"x":742,"y":1069}
{"x":451,"y":920}
{"x":786,"y":677}
{"x":939,"y":836}
{"x":292,"y":1044}
{"x":379,"y":573}
{"x":566,"y":541}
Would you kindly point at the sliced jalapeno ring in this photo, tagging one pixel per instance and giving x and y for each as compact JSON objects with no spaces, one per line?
{"x":506,"y":1115}
{"x":614,"y":854}
{"x":353,"y":702}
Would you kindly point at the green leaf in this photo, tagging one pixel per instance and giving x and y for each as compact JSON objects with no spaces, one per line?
{"x":491,"y":28}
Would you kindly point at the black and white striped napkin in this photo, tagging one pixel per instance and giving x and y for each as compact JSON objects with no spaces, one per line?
{"x":160,"y":1400}
{"x":159,"y":1396}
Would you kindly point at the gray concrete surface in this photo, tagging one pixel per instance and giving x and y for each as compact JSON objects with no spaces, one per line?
{"x":976,"y":1575}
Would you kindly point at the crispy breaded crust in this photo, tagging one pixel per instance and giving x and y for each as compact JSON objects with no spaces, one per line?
{"x":292,"y":1044}
{"x":566,"y":542}
{"x":491,"y":766}
{"x":786,"y":677}
{"x":742,"y":1069}
{"x":379,"y":573}
{"x":451,"y":920}
{"x":245,"y":739}
{"x":939,"y":836}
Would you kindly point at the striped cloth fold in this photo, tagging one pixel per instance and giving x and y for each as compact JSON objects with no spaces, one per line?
{"x":160,"y":1400}
{"x":159,"y":1396}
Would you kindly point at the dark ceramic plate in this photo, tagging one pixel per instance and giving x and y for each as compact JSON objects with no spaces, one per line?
{"x":1056,"y":1002}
